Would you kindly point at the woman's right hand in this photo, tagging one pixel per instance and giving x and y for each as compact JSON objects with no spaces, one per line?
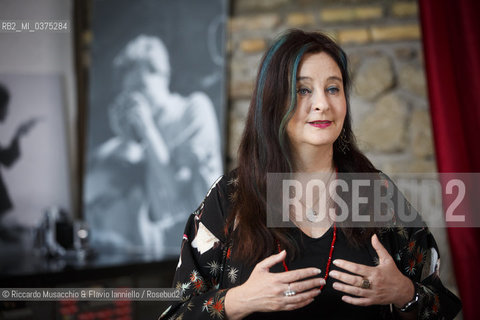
{"x":265,"y":291}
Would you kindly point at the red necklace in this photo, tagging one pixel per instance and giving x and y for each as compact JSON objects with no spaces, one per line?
{"x":329,"y":262}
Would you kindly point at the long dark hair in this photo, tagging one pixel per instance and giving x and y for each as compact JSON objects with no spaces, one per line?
{"x":265,"y":145}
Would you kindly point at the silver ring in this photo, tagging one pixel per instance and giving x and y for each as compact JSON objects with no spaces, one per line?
{"x":289,"y":292}
{"x":365,"y":284}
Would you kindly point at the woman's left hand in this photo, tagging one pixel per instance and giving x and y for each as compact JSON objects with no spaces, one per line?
{"x":382,"y":284}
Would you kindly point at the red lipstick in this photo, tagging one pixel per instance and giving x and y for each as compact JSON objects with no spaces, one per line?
{"x":320,"y":124}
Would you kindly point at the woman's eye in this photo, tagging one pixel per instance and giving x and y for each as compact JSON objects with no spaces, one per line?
{"x":303,"y":91}
{"x":333,"y":90}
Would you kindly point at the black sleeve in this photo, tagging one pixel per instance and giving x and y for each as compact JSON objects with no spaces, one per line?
{"x":416,"y":254}
{"x":200,"y":266}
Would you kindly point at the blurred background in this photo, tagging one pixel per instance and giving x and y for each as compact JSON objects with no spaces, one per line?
{"x":81,"y":210}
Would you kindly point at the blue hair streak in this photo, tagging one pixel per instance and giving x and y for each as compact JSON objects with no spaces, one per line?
{"x":293,"y":102}
{"x":259,"y":98}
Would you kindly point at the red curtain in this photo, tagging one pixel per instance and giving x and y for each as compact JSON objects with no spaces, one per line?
{"x":451,"y":41}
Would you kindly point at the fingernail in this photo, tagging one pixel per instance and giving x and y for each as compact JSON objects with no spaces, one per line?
{"x":335,"y":262}
{"x":333,"y":273}
{"x":322,"y":282}
{"x":319,"y":271}
{"x":335,"y":285}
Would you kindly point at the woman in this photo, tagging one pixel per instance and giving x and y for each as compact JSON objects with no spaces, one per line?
{"x":233,"y":266}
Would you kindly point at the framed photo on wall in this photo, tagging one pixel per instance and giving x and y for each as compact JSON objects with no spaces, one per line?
{"x":155,"y":132}
{"x":34,"y":167}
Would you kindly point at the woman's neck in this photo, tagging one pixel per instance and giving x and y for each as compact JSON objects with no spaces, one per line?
{"x":314,"y":159}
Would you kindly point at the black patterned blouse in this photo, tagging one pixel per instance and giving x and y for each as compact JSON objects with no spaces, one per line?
{"x":206,"y":270}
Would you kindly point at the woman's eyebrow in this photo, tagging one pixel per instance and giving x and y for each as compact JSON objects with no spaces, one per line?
{"x":329,"y":78}
{"x":303,"y":78}
{"x":335,"y":78}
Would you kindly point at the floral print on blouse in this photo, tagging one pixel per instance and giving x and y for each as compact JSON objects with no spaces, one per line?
{"x":205,"y":270}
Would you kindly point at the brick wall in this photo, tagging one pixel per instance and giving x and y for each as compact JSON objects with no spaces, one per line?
{"x":389,"y":98}
{"x":382,"y":39}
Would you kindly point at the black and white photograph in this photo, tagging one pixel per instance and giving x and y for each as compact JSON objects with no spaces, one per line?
{"x":33,"y":153}
{"x":155,"y":122}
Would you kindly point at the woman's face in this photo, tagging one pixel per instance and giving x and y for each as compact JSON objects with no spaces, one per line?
{"x":321,"y":104}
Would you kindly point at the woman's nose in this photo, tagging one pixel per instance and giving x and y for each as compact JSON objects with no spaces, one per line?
{"x":319,"y":103}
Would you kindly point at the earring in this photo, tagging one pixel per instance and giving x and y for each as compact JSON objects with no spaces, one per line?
{"x":343,"y":143}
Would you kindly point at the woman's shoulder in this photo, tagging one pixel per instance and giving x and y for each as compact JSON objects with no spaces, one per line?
{"x":223,"y":188}
{"x":217,"y":205}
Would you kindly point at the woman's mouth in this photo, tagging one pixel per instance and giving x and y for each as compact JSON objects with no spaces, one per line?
{"x":320,"y":124}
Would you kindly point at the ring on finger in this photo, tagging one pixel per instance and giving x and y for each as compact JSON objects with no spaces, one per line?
{"x":289,"y":292}
{"x":365,"y":284}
